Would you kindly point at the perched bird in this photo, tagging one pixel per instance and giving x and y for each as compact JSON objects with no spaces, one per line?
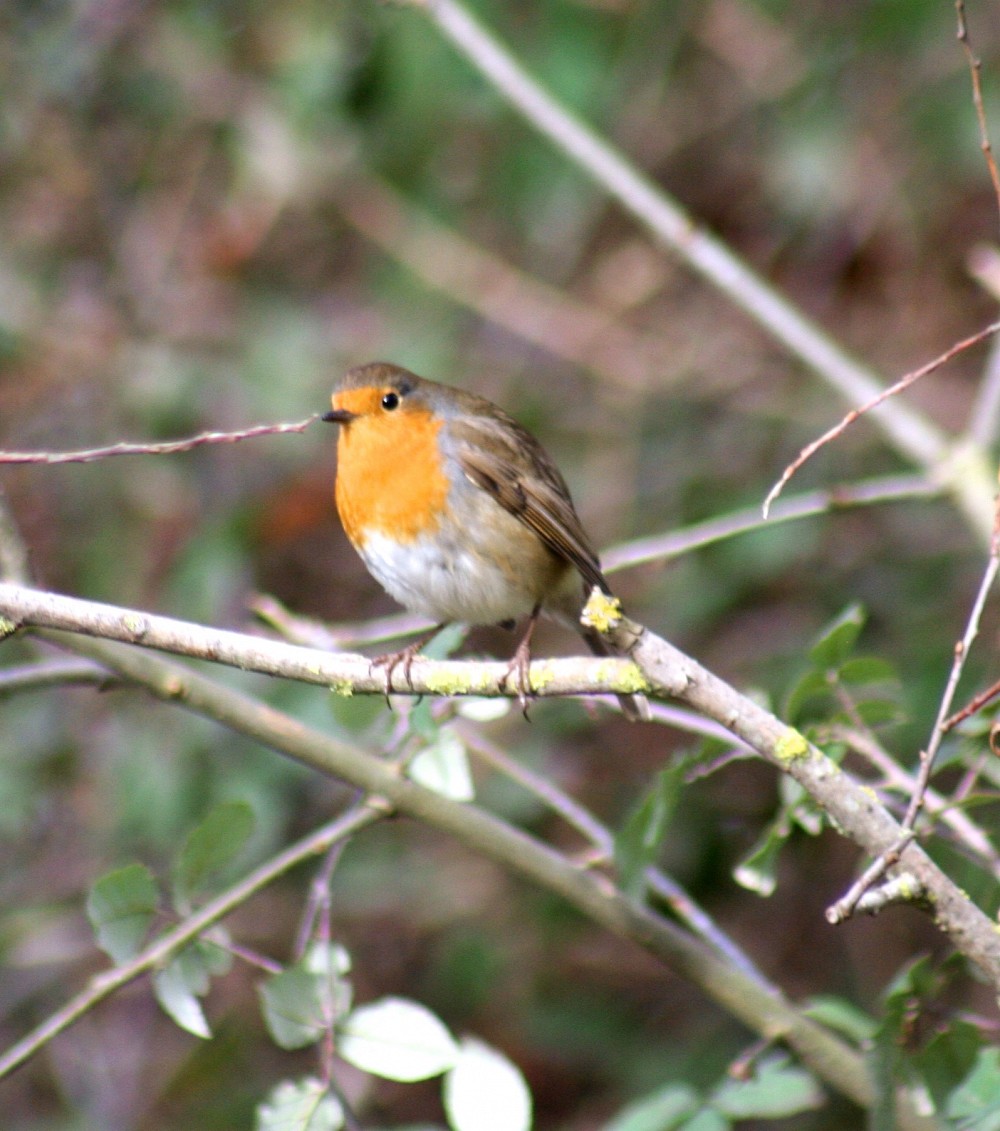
{"x":459,"y":512}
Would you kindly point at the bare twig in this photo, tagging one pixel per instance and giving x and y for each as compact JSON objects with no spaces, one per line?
{"x":51,"y":673}
{"x":845,"y":907}
{"x":698,"y":921}
{"x":856,"y":413}
{"x":976,"y":703}
{"x":962,"y":649}
{"x":884,"y":489}
{"x":664,"y":669}
{"x":103,"y":985}
{"x":908,"y":430}
{"x":764,"y":1011}
{"x":890,"y":855}
{"x":966,"y":832}
{"x":171,"y":447}
{"x":976,"y":71}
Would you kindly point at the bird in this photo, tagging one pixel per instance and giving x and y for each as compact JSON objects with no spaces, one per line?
{"x":460,"y":513}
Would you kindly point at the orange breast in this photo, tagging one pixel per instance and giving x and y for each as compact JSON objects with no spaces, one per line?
{"x":389,"y":476}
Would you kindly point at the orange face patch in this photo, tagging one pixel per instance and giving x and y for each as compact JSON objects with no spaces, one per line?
{"x":390,"y":479}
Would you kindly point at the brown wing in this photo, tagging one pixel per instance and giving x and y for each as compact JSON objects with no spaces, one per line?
{"x":509,"y":464}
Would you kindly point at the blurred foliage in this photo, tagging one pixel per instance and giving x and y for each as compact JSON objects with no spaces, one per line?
{"x":181,"y":249}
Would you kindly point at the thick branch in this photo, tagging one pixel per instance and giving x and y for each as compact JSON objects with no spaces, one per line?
{"x":854,"y":809}
{"x":764,"y":1011}
{"x":662,"y":669}
{"x":344,"y":673}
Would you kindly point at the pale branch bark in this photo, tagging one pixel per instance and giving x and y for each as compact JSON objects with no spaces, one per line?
{"x":854,"y":809}
{"x":967,"y":476}
{"x":344,"y":673}
{"x":163,"y":948}
{"x":765,"y":1011}
{"x":685,"y":539}
{"x":46,"y":674}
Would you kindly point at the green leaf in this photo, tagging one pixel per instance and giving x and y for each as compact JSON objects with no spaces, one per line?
{"x":837,"y":1014}
{"x":121,"y":906}
{"x":663,"y":1110}
{"x":867,"y":669}
{"x":179,"y":999}
{"x":396,"y":1039}
{"x":637,"y":843}
{"x":949,"y":1058}
{"x":878,"y":712}
{"x":302,"y":1105}
{"x":484,"y":1091}
{"x":706,"y":1120}
{"x":812,"y":685}
{"x":758,"y":871}
{"x":885,"y":1063}
{"x":443,"y":766}
{"x":212,"y":847}
{"x":975,"y":1105}
{"x":835,"y":642}
{"x":775,"y":1091}
{"x":295,"y":1007}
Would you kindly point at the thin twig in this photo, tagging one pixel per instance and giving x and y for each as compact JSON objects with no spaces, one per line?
{"x":689,"y":912}
{"x":171,"y":447}
{"x":103,"y":985}
{"x":889,"y":856}
{"x":856,"y":413}
{"x":976,"y":703}
{"x":883,"y":489}
{"x":962,"y":649}
{"x":52,"y":673}
{"x":976,"y":69}
{"x":967,"y":833}
{"x":844,"y":907}
{"x":914,"y":435}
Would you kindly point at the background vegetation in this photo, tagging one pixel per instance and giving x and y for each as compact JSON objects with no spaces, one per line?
{"x":207,"y":212}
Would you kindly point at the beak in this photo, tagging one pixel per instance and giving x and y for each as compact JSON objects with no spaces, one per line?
{"x":339,"y":416}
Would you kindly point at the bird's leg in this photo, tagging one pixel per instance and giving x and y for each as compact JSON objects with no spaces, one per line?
{"x":405,"y":656}
{"x":520,"y":660}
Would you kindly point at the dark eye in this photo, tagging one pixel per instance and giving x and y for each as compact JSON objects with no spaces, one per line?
{"x":390,"y":401}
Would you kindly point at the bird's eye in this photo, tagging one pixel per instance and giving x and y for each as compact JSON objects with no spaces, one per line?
{"x":390,"y":401}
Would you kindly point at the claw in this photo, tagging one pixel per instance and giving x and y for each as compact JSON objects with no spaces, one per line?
{"x":405,"y":657}
{"x":519,"y":664}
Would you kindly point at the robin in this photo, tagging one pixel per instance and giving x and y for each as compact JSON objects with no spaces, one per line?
{"x":459,"y":512}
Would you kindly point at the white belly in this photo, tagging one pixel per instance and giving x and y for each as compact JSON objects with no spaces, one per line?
{"x":452,"y":587}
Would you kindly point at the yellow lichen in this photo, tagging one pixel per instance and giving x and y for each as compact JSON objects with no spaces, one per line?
{"x":602,"y":611}
{"x":540,"y":676}
{"x":454,"y":681}
{"x":632,"y":681}
{"x":342,"y":687}
{"x":791,"y":747}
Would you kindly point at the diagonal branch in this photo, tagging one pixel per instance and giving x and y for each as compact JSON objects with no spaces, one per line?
{"x":764,"y":1010}
{"x":106,"y":983}
{"x":662,"y":670}
{"x":911,"y":433}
